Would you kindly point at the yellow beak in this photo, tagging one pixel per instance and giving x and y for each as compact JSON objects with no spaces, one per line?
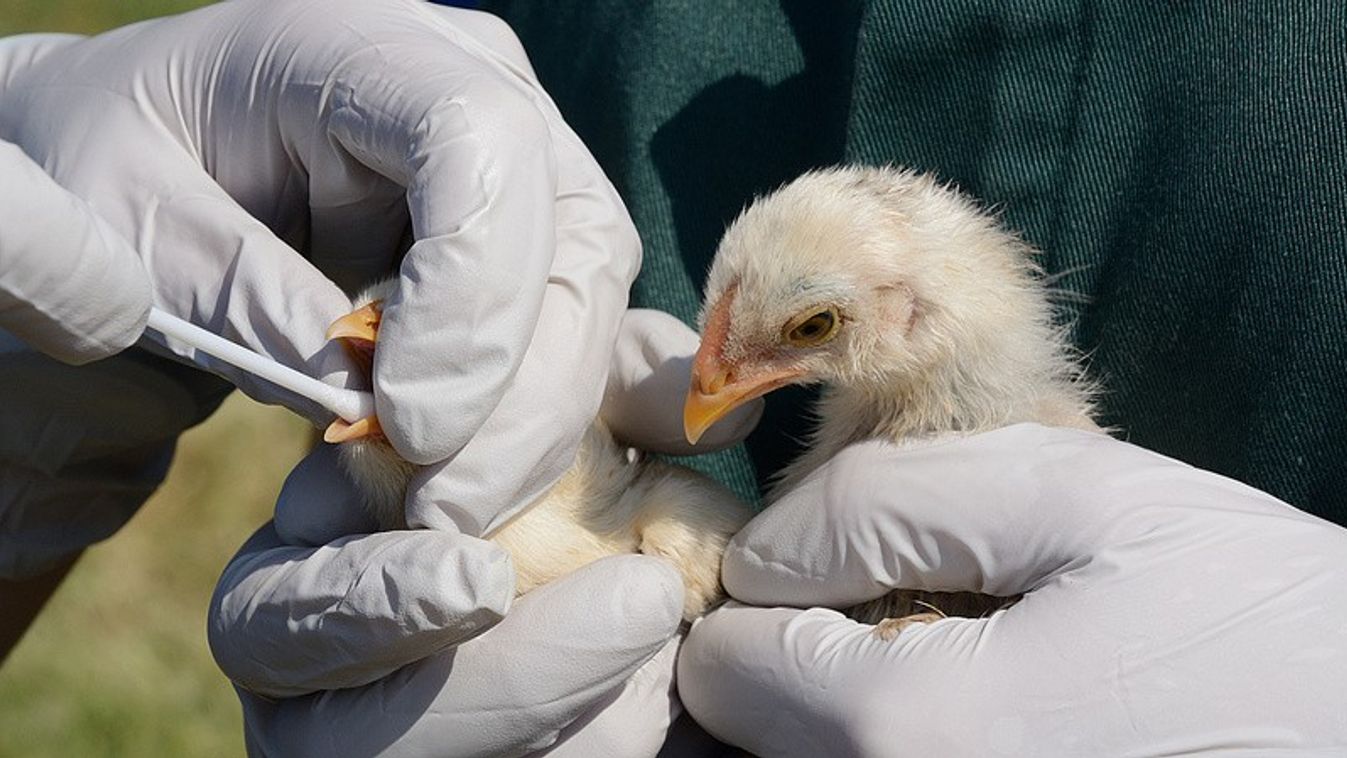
{"x":340,"y":431}
{"x":703,"y":408}
{"x":358,"y":332}
{"x":361,"y":324}
{"x":715,"y":392}
{"x":718,"y":388}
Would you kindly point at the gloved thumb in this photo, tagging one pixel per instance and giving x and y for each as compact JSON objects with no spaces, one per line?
{"x":1153,"y":593}
{"x":70,"y":285}
{"x":286,"y":621}
{"x":208,"y":259}
{"x":996,"y":513}
{"x":648,"y":381}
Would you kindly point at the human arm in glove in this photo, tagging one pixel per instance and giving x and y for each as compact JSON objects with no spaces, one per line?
{"x":416,"y":629}
{"x":1167,"y":610}
{"x":70,"y":285}
{"x":264,"y":156}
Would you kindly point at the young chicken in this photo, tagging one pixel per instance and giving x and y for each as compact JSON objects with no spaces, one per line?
{"x":920,"y":314}
{"x":610,"y":501}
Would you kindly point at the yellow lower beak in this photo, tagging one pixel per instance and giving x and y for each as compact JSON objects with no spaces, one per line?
{"x":341,"y":431}
{"x":702,"y":409}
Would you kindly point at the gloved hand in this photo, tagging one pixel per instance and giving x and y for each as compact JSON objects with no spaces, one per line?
{"x":223,"y":141}
{"x":1168,"y":610}
{"x":395,"y":620}
{"x":70,"y":286}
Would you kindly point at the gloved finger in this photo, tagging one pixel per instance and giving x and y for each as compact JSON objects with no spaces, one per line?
{"x":1130,"y":653}
{"x":70,"y":285}
{"x":291,"y":620}
{"x":19,"y":51}
{"x":629,"y":721}
{"x":561,"y":649}
{"x":467,"y":138}
{"x":530,"y":438}
{"x":538,"y":264}
{"x":787,"y":682}
{"x":998,"y":513}
{"x":648,"y":381}
{"x":264,"y":296}
{"x":319,"y":503}
{"x":211,"y":262}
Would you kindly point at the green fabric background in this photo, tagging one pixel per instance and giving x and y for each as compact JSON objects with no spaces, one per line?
{"x":1180,"y":164}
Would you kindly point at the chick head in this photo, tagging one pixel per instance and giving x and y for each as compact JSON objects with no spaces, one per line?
{"x":862,"y":278}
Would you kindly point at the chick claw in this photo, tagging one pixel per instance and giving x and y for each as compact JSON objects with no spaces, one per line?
{"x":890,"y":628}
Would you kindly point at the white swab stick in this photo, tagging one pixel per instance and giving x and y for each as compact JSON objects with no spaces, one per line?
{"x":351,"y":405}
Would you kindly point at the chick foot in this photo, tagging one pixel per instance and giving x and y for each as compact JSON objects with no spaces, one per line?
{"x":890,"y":628}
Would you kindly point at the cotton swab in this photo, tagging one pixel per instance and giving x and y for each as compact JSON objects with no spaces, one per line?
{"x":351,"y":405}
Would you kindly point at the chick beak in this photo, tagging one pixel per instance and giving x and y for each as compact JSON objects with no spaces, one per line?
{"x":707,"y":399}
{"x":717,"y":390}
{"x":341,"y":431}
{"x":358,"y":326}
{"x":358,"y":332}
{"x":719,"y":387}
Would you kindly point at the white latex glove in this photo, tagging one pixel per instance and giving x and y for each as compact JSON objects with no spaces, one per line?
{"x":70,"y":286}
{"x":643,"y":402}
{"x":1168,"y":610}
{"x":259,"y":153}
{"x":395,"y":620}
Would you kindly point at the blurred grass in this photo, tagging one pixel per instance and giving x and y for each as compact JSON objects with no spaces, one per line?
{"x":83,"y":16}
{"x":117,"y":664}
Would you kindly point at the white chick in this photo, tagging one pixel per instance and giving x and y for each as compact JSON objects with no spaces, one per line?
{"x":918,"y":312}
{"x":611,"y":501}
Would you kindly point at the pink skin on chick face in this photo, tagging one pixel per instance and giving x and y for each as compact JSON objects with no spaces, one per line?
{"x":718,"y":385}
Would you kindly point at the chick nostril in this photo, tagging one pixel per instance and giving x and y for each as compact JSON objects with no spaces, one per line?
{"x":717,"y":382}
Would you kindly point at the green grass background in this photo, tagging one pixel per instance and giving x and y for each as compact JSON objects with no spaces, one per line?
{"x":117,"y":664}
{"x":82,"y":16}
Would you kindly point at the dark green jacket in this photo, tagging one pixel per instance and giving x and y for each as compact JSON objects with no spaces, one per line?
{"x":1183,"y":166}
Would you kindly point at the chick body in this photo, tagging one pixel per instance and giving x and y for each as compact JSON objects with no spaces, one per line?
{"x":612,"y":500}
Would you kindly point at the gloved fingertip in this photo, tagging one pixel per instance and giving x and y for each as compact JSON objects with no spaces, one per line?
{"x":653,"y":595}
{"x":635,"y":598}
{"x":752,"y":577}
{"x":318,"y":503}
{"x":469,"y":588}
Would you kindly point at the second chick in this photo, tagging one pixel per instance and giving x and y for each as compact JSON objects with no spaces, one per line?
{"x":611,"y":501}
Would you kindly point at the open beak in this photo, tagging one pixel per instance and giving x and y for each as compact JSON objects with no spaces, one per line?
{"x":358,"y":332}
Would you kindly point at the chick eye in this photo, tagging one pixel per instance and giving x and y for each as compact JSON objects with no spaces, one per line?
{"x":813,"y":328}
